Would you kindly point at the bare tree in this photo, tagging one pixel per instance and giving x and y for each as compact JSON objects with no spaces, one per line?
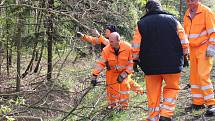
{"x":50,"y":39}
{"x":18,"y":46}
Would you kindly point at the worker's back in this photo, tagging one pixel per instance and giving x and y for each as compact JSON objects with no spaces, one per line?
{"x":160,"y":51}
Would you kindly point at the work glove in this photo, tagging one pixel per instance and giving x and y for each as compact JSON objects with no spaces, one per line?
{"x":135,"y":67}
{"x":186,"y":51}
{"x":210,"y":52}
{"x":94,"y":80}
{"x":95,"y":32}
{"x":186,"y":61}
{"x":79,"y":34}
{"x":122,"y":77}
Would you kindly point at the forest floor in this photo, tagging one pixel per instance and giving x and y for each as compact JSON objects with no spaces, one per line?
{"x":52,"y":101}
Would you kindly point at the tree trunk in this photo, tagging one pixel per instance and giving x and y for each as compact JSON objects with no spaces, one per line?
{"x":50,"y":39}
{"x":1,"y":45}
{"x":35,"y":51}
{"x":37,"y":56}
{"x":38,"y":63}
{"x":180,"y":10}
{"x":10,"y":54}
{"x":1,"y":55}
{"x":7,"y":43}
{"x":31,"y":62}
{"x":18,"y":46}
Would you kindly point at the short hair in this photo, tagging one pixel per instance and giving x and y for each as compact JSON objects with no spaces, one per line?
{"x":111,"y":27}
{"x":153,"y":5}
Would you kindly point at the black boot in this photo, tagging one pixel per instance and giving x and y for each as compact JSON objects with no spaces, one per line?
{"x":162,"y":118}
{"x":194,"y":107}
{"x":210,"y":111}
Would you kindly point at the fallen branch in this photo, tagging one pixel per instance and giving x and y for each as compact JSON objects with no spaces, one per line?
{"x":75,"y":107}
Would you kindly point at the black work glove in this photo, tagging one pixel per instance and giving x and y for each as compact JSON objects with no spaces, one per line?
{"x":79,"y":34}
{"x":135,"y":67}
{"x":122,"y":77}
{"x":186,"y":61}
{"x":94,"y":80}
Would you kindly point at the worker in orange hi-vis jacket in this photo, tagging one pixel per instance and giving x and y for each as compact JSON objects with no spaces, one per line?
{"x":199,"y":24}
{"x":159,"y":44}
{"x":103,"y":41}
{"x":117,"y":58}
{"x":99,"y":39}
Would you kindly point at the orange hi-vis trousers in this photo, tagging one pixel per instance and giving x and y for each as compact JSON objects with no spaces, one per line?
{"x":170,"y":92}
{"x":200,"y":68}
{"x":117,"y":94}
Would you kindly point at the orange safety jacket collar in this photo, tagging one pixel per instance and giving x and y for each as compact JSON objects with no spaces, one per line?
{"x":199,"y":10}
{"x":121,"y":48}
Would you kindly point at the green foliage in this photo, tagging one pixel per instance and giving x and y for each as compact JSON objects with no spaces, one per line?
{"x":5,"y":110}
{"x":141,"y":2}
{"x":8,"y":106}
{"x":209,"y":3}
{"x":172,"y":6}
{"x":10,"y":118}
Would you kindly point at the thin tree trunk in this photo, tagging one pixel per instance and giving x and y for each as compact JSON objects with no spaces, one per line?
{"x":37,"y":55}
{"x":37,"y":29}
{"x":50,"y":39}
{"x":1,"y":45}
{"x":10,"y":54}
{"x":7,"y":43}
{"x":31,"y":62}
{"x":18,"y":47}
{"x":180,"y":10}
{"x":40,"y":58}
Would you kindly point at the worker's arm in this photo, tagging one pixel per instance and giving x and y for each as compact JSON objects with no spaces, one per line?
{"x":183,"y":38}
{"x":136,"y":44}
{"x":95,"y":40}
{"x":210,"y":26}
{"x":129,"y":68}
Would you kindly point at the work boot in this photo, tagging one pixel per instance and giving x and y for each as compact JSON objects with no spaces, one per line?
{"x":194,"y":107}
{"x":210,"y":111}
{"x":162,"y":118}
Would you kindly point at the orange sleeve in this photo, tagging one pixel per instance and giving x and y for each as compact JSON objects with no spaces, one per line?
{"x":103,"y":40}
{"x":136,"y":44}
{"x":185,"y":23}
{"x":100,"y":64}
{"x":129,"y":68}
{"x":182,"y":36}
{"x":210,"y":26}
{"x":93,"y":40}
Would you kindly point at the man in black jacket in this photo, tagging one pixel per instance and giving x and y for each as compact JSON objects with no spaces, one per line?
{"x":159,"y":44}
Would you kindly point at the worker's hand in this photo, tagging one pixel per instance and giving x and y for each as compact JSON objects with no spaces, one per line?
{"x":186,"y":61}
{"x":186,"y":51}
{"x":94,"y":80}
{"x":79,"y":34}
{"x":95,"y":32}
{"x":210,"y":51}
{"x":122,"y":77}
{"x":135,"y":67}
